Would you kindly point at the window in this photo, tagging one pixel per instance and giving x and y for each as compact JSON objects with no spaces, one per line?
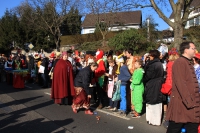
{"x":91,"y":31}
{"x":191,"y":22}
{"x":197,"y":21}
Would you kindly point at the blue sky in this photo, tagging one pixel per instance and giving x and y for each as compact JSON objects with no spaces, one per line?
{"x":9,"y":4}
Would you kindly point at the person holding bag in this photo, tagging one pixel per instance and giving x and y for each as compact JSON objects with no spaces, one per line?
{"x":111,"y":76}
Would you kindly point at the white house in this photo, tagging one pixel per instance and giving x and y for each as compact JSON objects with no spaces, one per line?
{"x":194,"y":16}
{"x":117,"y":21}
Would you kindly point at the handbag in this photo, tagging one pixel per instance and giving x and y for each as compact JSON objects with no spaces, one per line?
{"x":116,"y":94}
{"x":51,"y":73}
{"x":110,"y":89}
{"x":41,"y":69}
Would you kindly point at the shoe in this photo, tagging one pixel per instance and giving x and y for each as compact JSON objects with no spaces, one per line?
{"x":100,"y":106}
{"x":115,"y":110}
{"x":108,"y":107}
{"x":135,"y":115}
{"x":88,"y":112}
{"x":122,"y":113}
{"x":74,"y":110}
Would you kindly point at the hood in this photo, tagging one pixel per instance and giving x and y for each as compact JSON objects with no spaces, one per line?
{"x":99,"y":54}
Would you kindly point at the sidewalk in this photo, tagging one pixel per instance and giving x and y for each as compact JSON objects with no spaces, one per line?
{"x":17,"y":118}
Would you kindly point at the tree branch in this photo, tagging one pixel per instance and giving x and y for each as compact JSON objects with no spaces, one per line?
{"x":160,"y":13}
{"x":172,"y":5}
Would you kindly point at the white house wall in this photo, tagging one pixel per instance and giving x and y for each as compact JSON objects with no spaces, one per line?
{"x":117,"y":28}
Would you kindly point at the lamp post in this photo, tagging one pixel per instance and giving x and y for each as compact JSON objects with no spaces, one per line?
{"x":148,"y":34}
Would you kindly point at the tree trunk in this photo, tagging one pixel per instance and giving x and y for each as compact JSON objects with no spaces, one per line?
{"x":178,"y":35}
{"x":57,"y":40}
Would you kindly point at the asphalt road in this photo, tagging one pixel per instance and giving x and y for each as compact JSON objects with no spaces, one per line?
{"x":30,"y":110}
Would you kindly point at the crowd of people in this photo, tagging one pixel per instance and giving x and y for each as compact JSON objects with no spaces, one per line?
{"x":121,"y":82}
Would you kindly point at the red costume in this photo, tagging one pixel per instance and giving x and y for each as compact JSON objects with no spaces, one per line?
{"x":100,"y":71}
{"x":62,"y":83}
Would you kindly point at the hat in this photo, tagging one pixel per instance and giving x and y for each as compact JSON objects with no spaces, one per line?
{"x":58,"y":54}
{"x":197,"y":55}
{"x":52,"y":55}
{"x":64,"y":53}
{"x":69,"y":51}
{"x":173,"y":51}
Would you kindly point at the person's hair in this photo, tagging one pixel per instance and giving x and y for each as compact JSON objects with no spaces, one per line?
{"x":154,"y":53}
{"x":93,"y":64}
{"x":130,"y":51}
{"x":183,"y":46}
{"x":173,"y":57}
{"x":140,"y":62}
{"x":111,"y":61}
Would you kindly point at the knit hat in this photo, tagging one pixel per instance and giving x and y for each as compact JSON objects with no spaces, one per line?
{"x":173,"y":51}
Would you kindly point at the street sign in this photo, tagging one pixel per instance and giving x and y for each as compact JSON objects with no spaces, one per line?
{"x":30,"y":46}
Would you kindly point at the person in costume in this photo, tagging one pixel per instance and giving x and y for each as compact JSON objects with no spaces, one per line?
{"x":82,"y":88}
{"x":137,"y":89}
{"x":99,"y":77}
{"x":62,"y":82}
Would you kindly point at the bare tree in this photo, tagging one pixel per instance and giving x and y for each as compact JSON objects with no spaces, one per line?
{"x":180,"y":9}
{"x":47,"y":15}
{"x":103,"y":13}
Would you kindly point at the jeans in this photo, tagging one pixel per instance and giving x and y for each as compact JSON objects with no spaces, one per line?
{"x":45,"y":79}
{"x":123,"y":98}
{"x":113,"y":104}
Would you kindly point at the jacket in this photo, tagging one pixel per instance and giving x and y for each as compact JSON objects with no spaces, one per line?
{"x":184,"y":105}
{"x":154,"y":76}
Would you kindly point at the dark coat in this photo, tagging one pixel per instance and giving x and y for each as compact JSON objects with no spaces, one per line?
{"x":83,"y":79}
{"x":184,"y":103}
{"x":153,"y":82}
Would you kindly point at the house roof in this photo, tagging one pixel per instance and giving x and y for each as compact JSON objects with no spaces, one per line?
{"x":194,"y":3}
{"x":125,"y":18}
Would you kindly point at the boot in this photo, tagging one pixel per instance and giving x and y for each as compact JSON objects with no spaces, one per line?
{"x":88,"y":112}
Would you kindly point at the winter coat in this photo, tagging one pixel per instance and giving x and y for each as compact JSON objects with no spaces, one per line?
{"x":184,"y":105}
{"x":83,"y":79}
{"x":153,"y":79}
{"x":168,"y":82}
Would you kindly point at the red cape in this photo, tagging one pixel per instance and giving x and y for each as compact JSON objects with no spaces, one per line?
{"x":62,"y":82}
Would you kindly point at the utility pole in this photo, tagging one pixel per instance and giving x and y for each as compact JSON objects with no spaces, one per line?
{"x":148,"y":34}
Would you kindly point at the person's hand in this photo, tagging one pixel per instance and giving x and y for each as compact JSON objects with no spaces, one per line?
{"x":106,"y":74}
{"x":89,"y":96}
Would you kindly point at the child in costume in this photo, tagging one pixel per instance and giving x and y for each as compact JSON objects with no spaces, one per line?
{"x":137,"y":89}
